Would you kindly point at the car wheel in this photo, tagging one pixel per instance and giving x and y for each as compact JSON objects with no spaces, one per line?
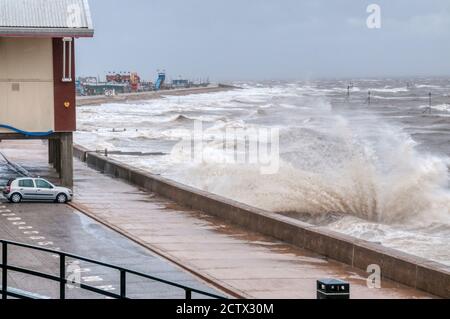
{"x":16,"y":198}
{"x":61,"y":198}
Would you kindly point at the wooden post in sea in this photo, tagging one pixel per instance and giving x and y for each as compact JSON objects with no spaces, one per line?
{"x":368,"y":99}
{"x":428,"y":109}
{"x":430,"y":102}
{"x":347,"y":98}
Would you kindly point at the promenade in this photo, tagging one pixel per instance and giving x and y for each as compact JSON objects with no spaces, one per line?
{"x":234,"y":260}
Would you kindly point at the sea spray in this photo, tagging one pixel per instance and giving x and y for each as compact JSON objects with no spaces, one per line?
{"x":370,"y":171}
{"x":377,"y":172}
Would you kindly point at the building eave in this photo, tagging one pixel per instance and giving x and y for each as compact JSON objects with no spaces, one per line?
{"x":46,"y":32}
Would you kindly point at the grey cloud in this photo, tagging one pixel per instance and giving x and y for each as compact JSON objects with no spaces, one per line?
{"x":268,"y":39}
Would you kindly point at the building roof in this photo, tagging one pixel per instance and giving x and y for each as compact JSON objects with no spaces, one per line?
{"x":45,"y":18}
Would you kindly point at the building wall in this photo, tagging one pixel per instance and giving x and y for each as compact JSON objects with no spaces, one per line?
{"x":65,"y":92}
{"x":27,"y":84}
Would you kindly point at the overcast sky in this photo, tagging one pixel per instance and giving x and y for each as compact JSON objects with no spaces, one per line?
{"x":267,"y":39}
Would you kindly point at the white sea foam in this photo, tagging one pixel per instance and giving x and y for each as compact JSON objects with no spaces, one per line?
{"x":345,"y":171}
{"x":368,"y":172}
{"x":440,"y":107}
{"x":390,"y":90}
{"x":427,"y":86}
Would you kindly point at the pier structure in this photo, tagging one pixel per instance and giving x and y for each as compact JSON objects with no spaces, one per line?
{"x":37,"y":74}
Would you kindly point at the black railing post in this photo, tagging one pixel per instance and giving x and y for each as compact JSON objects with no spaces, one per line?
{"x":188,"y":294}
{"x":123,"y":284}
{"x":4,"y":270}
{"x":62,"y":276}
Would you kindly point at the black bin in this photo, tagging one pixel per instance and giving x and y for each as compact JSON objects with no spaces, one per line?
{"x":333,"y":289}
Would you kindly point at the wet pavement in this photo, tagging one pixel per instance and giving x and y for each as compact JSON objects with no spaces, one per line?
{"x":249,"y":264}
{"x":62,"y":228}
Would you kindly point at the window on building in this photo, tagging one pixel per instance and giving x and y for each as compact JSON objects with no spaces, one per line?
{"x":67,"y":60}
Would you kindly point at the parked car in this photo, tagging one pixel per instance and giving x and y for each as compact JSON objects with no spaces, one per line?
{"x":35,"y":189}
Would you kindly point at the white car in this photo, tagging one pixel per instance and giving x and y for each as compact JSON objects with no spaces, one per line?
{"x":36,"y":189}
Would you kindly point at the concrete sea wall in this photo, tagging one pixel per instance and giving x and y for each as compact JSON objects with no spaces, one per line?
{"x":406,"y":269}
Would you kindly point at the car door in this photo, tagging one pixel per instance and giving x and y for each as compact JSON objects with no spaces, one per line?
{"x":27,"y":188}
{"x":44,"y":190}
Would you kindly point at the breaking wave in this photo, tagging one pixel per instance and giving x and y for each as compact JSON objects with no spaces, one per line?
{"x":377,"y":175}
{"x":350,"y":168}
{"x":390,"y":90}
{"x":440,"y":107}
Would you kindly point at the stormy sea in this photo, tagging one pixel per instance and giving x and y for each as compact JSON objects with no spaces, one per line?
{"x":371,"y":165}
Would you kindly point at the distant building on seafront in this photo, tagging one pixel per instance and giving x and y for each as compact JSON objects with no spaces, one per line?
{"x":130,"y":78}
{"x":105,"y":88}
{"x":180,"y":83}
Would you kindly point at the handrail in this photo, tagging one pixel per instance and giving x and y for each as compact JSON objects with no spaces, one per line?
{"x":63,"y":280}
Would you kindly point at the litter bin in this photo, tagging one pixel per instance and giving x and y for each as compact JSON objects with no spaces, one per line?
{"x":333,"y":289}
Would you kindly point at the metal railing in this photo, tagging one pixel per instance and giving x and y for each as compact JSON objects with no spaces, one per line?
{"x":62,"y":280}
